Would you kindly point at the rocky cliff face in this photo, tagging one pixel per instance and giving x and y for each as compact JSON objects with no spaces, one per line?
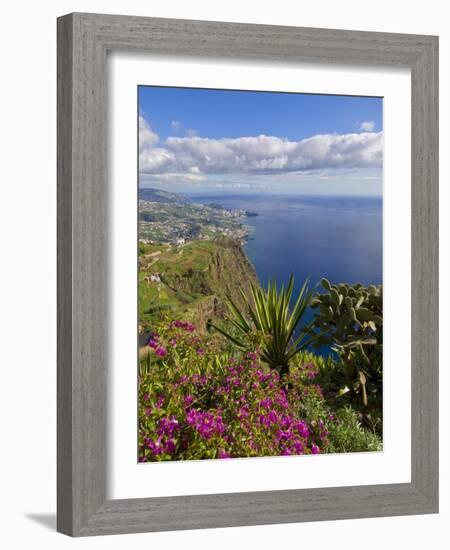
{"x":230,"y":269}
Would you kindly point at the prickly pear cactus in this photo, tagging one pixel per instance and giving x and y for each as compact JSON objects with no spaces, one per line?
{"x":350,"y":319}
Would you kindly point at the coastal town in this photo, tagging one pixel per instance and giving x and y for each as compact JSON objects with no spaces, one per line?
{"x":177,"y":221}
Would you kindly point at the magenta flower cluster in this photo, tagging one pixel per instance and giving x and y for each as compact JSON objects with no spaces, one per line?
{"x":206,"y":423}
{"x":184,"y":325}
{"x":160,"y":350}
{"x":192,"y":406}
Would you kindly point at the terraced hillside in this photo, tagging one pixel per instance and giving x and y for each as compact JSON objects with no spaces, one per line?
{"x":190,"y":281}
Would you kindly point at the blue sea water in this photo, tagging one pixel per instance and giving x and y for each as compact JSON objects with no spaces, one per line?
{"x":339,"y":238}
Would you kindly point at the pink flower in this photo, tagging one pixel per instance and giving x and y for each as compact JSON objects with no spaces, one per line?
{"x":205,"y":423}
{"x":283,"y":436}
{"x":167,"y":426}
{"x":266,"y":403}
{"x":285,"y":422}
{"x":282,"y":401}
{"x":315,"y":449}
{"x":161,"y":351}
{"x":243,"y":412}
{"x":262,"y":377}
{"x":189,"y":327}
{"x":154,"y":446}
{"x":302,"y":428}
{"x":223,"y":454}
{"x":188,"y":400}
{"x":267,"y":420}
{"x":170,"y":446}
{"x":152,"y":343}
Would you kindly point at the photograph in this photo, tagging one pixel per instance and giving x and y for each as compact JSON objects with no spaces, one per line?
{"x":230,"y":220}
{"x":260,"y":264}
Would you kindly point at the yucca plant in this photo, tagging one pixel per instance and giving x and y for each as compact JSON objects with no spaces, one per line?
{"x":269,"y":314}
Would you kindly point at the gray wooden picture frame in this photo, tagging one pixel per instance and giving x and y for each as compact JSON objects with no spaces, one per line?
{"x":83,"y":42}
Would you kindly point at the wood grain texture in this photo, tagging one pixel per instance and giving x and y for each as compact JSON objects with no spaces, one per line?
{"x":64,"y":328}
{"x":425,"y":275}
{"x":83,"y":41}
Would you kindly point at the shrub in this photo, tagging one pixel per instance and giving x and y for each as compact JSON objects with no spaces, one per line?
{"x":196,"y":402}
{"x":350,"y":436}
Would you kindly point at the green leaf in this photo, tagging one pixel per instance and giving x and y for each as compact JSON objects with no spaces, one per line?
{"x":364,"y":314}
{"x":334,"y":297}
{"x":342,"y":391}
{"x":325,"y":283}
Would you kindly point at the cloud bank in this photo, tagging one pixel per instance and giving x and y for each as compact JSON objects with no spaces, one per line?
{"x":367,"y":126}
{"x":195,"y":156}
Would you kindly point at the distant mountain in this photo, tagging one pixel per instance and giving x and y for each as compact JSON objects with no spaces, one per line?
{"x":216,"y":206}
{"x":158,"y":195}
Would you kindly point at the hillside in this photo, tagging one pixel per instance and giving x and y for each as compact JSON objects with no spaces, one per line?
{"x":190,"y":281}
{"x":158,"y":195}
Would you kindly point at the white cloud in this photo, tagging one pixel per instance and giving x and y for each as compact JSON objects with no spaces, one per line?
{"x":147,"y":137}
{"x":258,"y":154}
{"x":173,"y":177}
{"x":177,"y":126}
{"x":367,"y":126}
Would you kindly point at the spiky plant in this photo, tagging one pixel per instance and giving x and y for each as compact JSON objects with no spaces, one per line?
{"x":269,"y":314}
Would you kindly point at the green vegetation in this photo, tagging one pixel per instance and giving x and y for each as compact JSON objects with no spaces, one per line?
{"x":191,"y":281}
{"x":350,"y":319}
{"x":228,"y":369}
{"x":198,"y":402}
{"x":271,"y":317}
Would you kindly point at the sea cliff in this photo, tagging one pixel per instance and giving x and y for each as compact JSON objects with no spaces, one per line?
{"x":191,"y":280}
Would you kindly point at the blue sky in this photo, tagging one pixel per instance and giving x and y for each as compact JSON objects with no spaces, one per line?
{"x":198,"y":140}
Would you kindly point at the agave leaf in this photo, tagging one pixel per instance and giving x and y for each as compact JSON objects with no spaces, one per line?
{"x":242,"y":322}
{"x":229,"y":336}
{"x":271,"y":314}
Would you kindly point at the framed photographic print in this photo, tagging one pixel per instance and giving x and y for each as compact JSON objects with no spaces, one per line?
{"x":247,"y":276}
{"x":234,"y":360}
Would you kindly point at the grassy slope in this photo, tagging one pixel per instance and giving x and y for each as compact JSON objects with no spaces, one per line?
{"x":195,"y":278}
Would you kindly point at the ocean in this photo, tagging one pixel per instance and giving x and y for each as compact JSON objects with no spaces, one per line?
{"x":340,"y":238}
